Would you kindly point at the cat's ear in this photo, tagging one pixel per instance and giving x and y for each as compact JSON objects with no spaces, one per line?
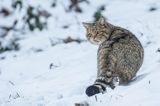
{"x":101,"y":20}
{"x":86,"y":25}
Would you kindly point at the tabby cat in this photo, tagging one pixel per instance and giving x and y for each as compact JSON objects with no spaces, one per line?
{"x":120,"y":55}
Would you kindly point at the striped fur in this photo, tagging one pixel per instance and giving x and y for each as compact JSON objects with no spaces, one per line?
{"x":120,"y":54}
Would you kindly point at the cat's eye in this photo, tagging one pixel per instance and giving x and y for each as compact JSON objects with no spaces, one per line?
{"x":89,"y":35}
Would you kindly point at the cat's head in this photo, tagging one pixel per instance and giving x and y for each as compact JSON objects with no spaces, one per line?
{"x":99,"y":31}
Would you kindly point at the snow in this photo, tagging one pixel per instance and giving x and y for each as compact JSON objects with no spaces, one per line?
{"x":41,"y":74}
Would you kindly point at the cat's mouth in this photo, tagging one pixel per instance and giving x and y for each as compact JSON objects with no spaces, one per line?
{"x":98,"y":40}
{"x":95,"y":41}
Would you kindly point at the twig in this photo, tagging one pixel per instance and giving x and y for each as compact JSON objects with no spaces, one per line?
{"x":96,"y":98}
{"x":51,"y":66}
{"x":11,"y":83}
{"x":82,"y":104}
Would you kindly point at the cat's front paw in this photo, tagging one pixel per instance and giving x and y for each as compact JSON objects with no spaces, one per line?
{"x":92,"y":90}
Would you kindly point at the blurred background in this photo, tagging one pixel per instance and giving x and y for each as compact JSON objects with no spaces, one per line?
{"x":46,"y":60}
{"x":61,"y":20}
{"x":52,"y":19}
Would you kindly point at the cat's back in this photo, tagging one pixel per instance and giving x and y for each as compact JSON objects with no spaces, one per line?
{"x":127,"y":48}
{"x":127,"y":52}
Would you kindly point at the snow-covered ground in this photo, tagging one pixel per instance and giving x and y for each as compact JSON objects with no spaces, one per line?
{"x":44,"y":75}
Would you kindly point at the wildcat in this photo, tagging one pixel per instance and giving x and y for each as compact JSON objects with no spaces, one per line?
{"x":120,"y":55}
